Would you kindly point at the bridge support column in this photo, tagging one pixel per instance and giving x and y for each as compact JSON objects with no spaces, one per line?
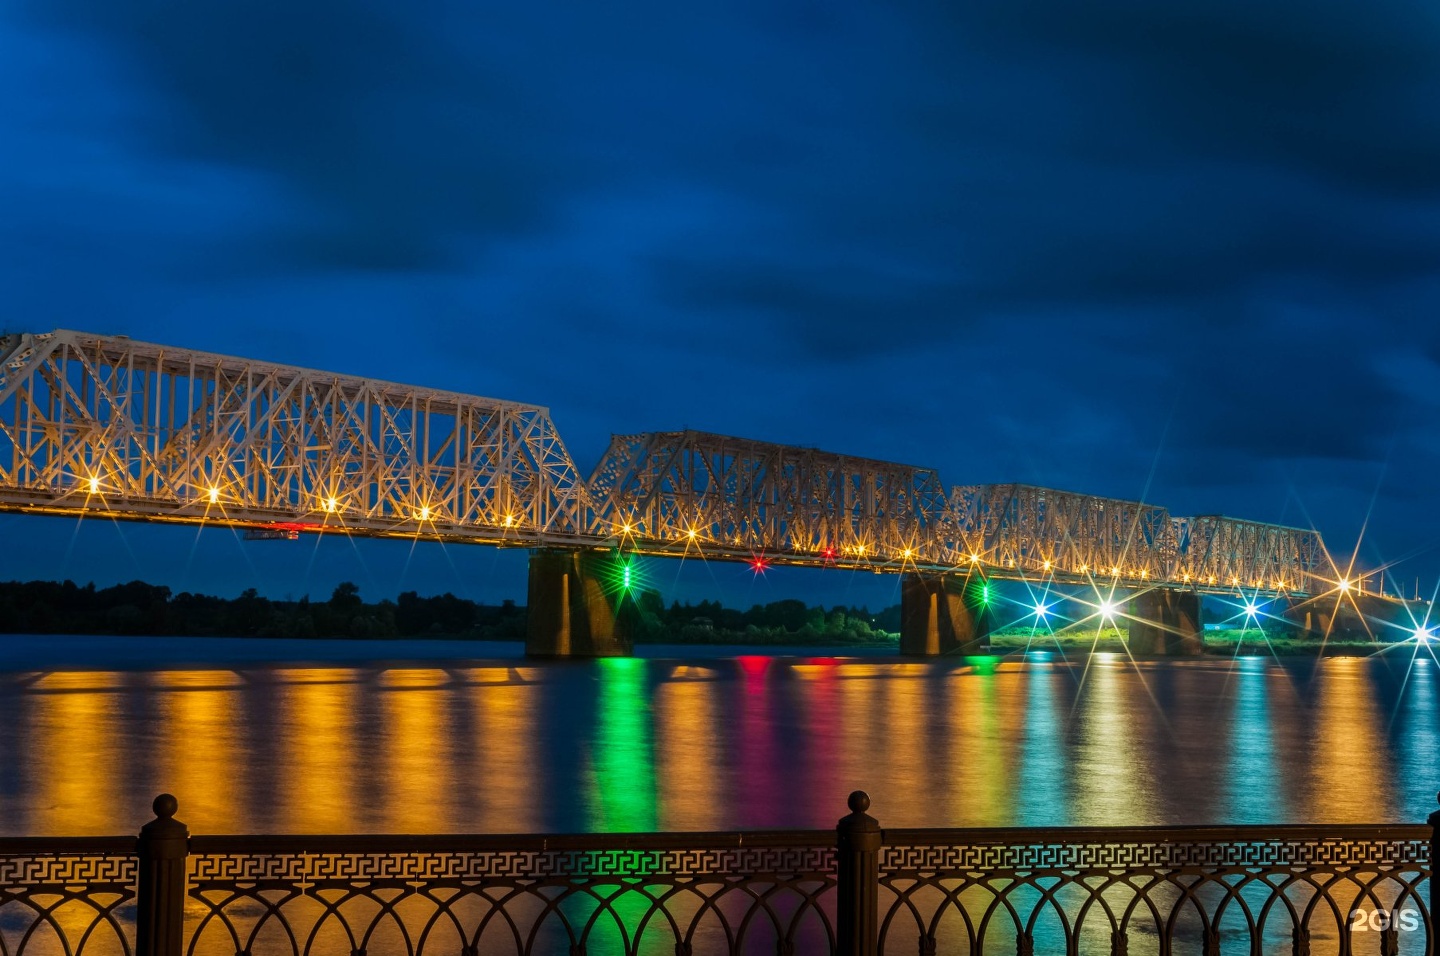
{"x":1166,"y":622}
{"x":569,"y":614}
{"x":942,"y":614}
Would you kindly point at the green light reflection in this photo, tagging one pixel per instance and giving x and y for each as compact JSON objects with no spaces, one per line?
{"x":621,"y":793}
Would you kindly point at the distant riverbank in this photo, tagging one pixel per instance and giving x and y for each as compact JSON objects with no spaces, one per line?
{"x":400,"y":629}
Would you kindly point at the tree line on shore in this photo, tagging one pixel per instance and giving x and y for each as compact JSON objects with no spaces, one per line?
{"x":137,"y":608}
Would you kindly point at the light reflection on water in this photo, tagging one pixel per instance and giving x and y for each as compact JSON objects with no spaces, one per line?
{"x":721,"y":743}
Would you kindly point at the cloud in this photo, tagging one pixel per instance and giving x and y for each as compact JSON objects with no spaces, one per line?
{"x":1041,"y":241}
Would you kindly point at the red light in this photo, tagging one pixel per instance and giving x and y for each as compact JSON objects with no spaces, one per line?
{"x":753,"y":664}
{"x":828,"y":554}
{"x":758,"y":564}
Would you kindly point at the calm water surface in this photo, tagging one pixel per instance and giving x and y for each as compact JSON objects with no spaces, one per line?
{"x":91,"y":729}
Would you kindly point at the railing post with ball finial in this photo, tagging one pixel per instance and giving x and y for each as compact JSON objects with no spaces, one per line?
{"x":1434,"y":821}
{"x":857,"y":853}
{"x":160,"y":882}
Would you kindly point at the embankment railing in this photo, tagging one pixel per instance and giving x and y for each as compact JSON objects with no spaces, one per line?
{"x":856,"y":891}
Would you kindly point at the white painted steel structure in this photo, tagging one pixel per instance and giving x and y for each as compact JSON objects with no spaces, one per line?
{"x":104,"y":425}
{"x":134,"y":430}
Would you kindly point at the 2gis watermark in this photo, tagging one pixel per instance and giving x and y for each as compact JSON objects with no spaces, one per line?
{"x":1405,"y":920}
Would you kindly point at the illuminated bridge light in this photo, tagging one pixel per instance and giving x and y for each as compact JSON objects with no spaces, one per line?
{"x":509,"y":521}
{"x":1046,"y":565}
{"x":1423,"y":634}
{"x":1185,"y":578}
{"x":1107,"y":609}
{"x":1041,"y":609}
{"x":1252,"y":609}
{"x":974,"y":558}
{"x":1344,"y":586}
{"x":332,"y":505}
{"x":214,"y":495}
{"x":424,"y":513}
{"x":907,"y":554}
{"x":690,"y":533}
{"x":94,"y":485}
{"x":758,"y":564}
{"x":985,"y":594}
{"x":828,"y":554}
{"x":1084,"y":569}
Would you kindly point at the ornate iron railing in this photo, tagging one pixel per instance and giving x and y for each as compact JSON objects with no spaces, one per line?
{"x":652,"y":893}
{"x":67,"y":895}
{"x":1290,"y":890}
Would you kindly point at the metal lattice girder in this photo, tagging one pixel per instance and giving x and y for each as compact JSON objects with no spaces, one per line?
{"x":671,"y":491}
{"x":1032,"y":529}
{"x":106,"y":425}
{"x":1215,"y":550}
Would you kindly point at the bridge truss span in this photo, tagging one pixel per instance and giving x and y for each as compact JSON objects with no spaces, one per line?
{"x":1027,"y":528}
{"x":111,"y":426}
{"x":682,"y":491}
{"x":102,"y":425}
{"x":1230,"y":552}
{"x":1018,"y":530}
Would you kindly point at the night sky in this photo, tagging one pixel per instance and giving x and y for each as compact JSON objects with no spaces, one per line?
{"x":1187,"y":251}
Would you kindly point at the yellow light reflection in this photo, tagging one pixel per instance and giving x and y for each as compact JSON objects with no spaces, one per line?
{"x":72,"y":754}
{"x":198,"y":764}
{"x":417,"y":750}
{"x":503,"y":715}
{"x":688,"y":765}
{"x":1108,"y":788}
{"x":1351,"y":757}
{"x":978,"y":751}
{"x":317,"y":773}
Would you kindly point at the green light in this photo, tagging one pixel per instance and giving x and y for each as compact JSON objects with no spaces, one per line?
{"x":625,"y":583}
{"x":984,"y":594}
{"x":983,"y":664}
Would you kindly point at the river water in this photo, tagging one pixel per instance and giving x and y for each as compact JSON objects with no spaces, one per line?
{"x":316,"y":737}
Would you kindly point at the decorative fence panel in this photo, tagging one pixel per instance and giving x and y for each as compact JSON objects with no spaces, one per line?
{"x":1291,"y":890}
{"x":67,"y":896}
{"x":597,"y":895}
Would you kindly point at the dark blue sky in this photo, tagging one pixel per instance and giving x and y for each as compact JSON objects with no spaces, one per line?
{"x":1185,"y":250}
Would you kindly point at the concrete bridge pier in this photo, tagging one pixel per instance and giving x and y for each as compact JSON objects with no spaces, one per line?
{"x":1166,"y":622}
{"x":942,"y":614}
{"x":570,"y":614}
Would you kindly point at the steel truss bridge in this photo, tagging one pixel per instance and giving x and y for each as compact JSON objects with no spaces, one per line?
{"x":105,"y":426}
